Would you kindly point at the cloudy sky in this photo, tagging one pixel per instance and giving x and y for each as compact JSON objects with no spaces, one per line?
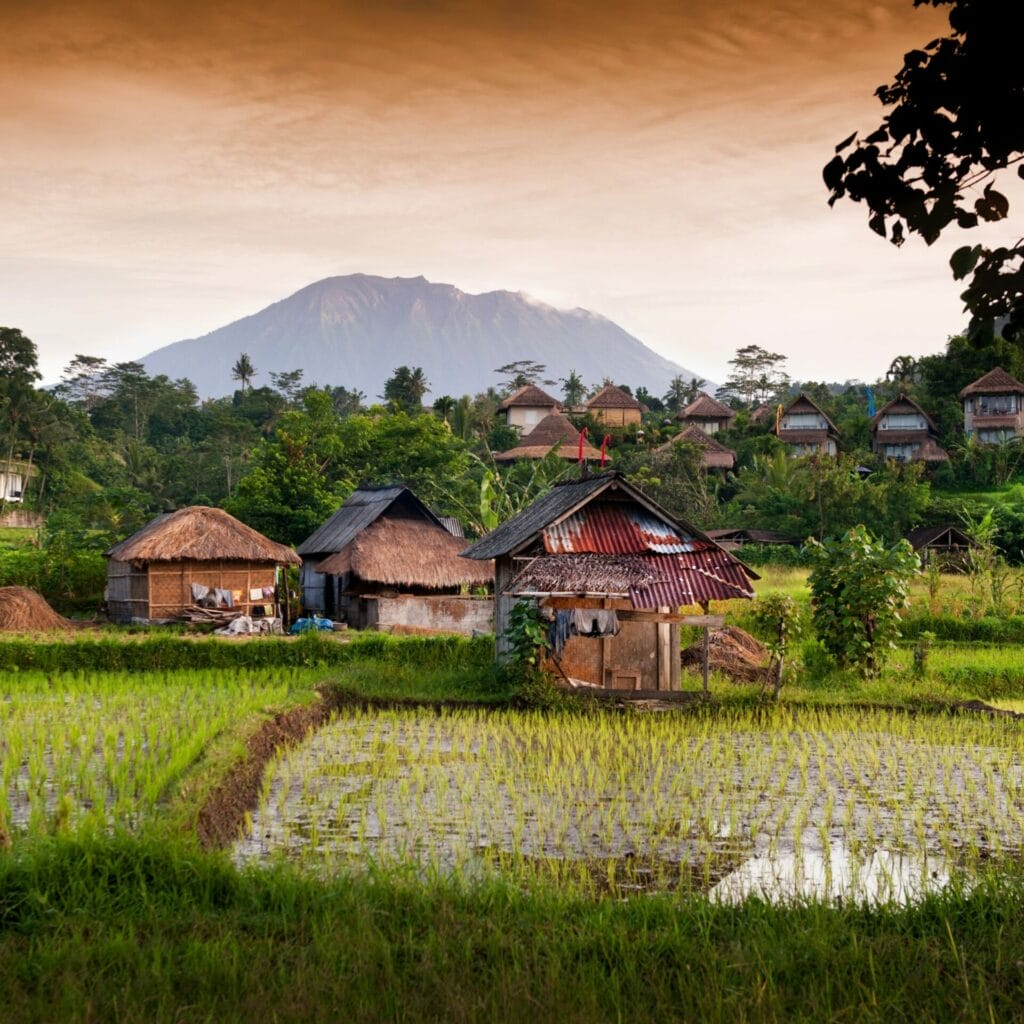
{"x":170,"y":166}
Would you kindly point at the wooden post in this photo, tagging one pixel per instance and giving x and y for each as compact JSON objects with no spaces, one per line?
{"x":706,"y":652}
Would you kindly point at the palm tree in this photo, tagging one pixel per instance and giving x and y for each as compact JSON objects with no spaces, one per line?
{"x":573,"y":389}
{"x":243,"y":371}
{"x":675,"y":397}
{"x":694,"y":389}
{"x":444,"y":407}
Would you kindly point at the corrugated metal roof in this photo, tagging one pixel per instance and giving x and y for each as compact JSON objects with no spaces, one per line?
{"x":604,"y":528}
{"x":524,"y":526}
{"x":650,"y":581}
{"x":360,"y":509}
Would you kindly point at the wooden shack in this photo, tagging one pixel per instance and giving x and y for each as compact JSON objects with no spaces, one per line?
{"x":385,"y":560}
{"x":614,"y":408}
{"x":947,"y":544}
{"x":598,"y":545}
{"x":150,"y":575}
{"x":714,"y":454}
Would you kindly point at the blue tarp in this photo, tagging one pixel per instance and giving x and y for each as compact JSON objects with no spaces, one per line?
{"x":307,"y":625}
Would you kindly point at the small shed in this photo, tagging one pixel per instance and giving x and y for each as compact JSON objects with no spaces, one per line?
{"x":733,"y":537}
{"x":385,"y":560}
{"x":151,"y":574}
{"x":947,"y":544}
{"x":611,"y":568}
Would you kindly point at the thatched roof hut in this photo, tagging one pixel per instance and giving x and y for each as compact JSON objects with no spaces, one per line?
{"x":716,"y":455}
{"x":707,"y":413}
{"x":554,"y":429}
{"x":151,"y":574}
{"x":612,"y":406}
{"x":407,"y":553}
{"x":383,"y":539}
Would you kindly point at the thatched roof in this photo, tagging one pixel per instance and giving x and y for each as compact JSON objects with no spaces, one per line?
{"x":408,"y":552}
{"x":612,"y":397}
{"x":554,"y":429}
{"x":716,"y":455}
{"x":704,"y":407}
{"x":995,"y":382}
{"x":529,"y":395}
{"x":200,"y":534}
{"x":930,"y":451}
{"x":802,"y":404}
{"x":359,"y":510}
{"x":901,"y":404}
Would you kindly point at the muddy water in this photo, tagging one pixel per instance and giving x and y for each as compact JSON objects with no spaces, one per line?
{"x":834,"y":808}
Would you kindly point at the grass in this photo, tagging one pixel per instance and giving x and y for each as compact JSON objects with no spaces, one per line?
{"x":129,"y":931}
{"x":16,"y":537}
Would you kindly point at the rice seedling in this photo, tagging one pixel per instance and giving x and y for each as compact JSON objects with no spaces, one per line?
{"x":865,"y":798}
{"x":101,"y":750}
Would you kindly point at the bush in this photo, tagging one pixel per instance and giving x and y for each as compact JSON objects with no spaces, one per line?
{"x":159,"y":653}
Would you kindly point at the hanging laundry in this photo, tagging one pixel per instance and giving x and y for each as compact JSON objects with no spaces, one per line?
{"x":594,"y":622}
{"x":559,"y":631}
{"x":198,"y":592}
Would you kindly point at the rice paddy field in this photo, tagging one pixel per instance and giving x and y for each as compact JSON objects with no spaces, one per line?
{"x":853,"y":853}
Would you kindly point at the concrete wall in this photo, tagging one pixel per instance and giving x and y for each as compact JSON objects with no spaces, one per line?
{"x":449,"y":614}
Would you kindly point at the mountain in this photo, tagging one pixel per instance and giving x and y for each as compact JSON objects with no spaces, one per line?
{"x":355,"y":330}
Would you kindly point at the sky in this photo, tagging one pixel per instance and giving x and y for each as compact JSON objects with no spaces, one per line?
{"x":170,"y":166}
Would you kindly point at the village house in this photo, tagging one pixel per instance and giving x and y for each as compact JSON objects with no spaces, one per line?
{"x":715,"y":454}
{"x":14,"y":477}
{"x":527,"y":406}
{"x":614,"y":408}
{"x":806,"y":429}
{"x":610,"y":568}
{"x":182,"y":558}
{"x":707,"y":413}
{"x":385,"y":561}
{"x":994,"y":407}
{"x":901,"y":430}
{"x":554,"y":429}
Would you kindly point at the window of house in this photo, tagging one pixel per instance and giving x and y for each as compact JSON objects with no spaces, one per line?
{"x":899,"y":452}
{"x":995,"y":405}
{"x":802,"y":421}
{"x":902,"y":421}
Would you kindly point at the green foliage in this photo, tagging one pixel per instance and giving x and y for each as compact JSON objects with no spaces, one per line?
{"x":778,"y":622}
{"x":953,"y":124}
{"x":165,"y":652}
{"x":859,"y":588}
{"x":821,"y":496}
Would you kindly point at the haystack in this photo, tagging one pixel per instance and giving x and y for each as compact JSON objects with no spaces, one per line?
{"x":733,"y":652}
{"x":24,"y":611}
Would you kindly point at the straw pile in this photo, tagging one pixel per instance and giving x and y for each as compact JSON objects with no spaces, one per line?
{"x":732,"y":652}
{"x":24,"y":611}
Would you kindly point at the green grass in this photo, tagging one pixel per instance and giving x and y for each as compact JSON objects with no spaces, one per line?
{"x":123,"y":930}
{"x":16,"y":537}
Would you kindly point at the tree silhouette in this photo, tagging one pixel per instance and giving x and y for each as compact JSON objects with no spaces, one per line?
{"x":955,"y":120}
{"x":243,"y":371}
{"x":573,"y":389}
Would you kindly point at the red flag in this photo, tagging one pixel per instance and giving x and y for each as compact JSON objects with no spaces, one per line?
{"x":604,"y":449}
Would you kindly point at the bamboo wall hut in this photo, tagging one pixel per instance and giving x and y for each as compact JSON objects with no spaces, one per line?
{"x":598,"y":545}
{"x":150,"y":575}
{"x":383,"y":542}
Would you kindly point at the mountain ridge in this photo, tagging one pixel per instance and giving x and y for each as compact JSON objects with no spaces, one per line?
{"x":354,"y":330}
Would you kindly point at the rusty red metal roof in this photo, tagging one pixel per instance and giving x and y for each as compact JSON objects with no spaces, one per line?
{"x":605,"y":528}
{"x":650,"y":581}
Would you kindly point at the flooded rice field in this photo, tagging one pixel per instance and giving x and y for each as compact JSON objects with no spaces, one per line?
{"x":867,"y":806}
